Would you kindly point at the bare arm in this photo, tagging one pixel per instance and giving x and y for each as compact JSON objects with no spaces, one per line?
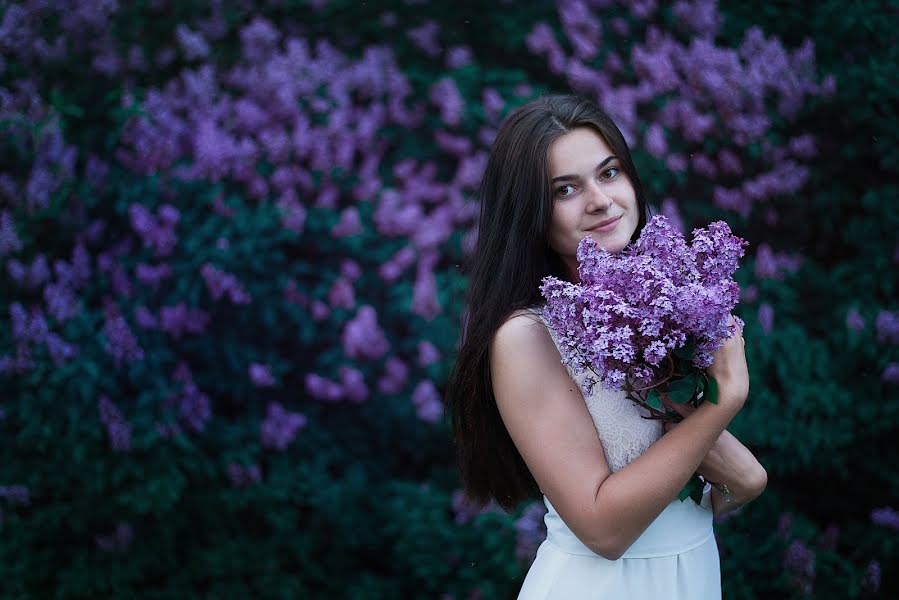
{"x":547,"y":419}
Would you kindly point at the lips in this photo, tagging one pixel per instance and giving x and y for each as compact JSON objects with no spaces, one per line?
{"x":605,"y":225}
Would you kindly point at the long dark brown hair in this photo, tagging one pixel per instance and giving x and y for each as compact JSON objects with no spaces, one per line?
{"x":511,"y":257}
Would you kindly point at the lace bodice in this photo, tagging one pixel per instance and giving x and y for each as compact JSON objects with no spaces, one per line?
{"x":622,"y":430}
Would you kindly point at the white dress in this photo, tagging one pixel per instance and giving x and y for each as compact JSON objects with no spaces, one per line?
{"x":676,"y":558}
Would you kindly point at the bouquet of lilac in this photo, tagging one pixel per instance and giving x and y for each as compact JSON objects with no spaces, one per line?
{"x":649,"y":318}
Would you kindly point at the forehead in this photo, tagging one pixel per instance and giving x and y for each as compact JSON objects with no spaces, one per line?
{"x":578,"y":151}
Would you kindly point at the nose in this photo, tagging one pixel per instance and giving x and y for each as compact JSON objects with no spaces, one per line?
{"x":597,"y":199}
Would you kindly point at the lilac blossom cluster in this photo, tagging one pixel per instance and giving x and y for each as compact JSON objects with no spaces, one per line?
{"x":631,"y":309}
{"x":280,"y":426}
{"x":244,"y":476}
{"x":530,"y":531}
{"x":118,"y":429}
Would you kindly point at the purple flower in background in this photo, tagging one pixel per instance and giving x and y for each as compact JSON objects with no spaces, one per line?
{"x":885,"y":517}
{"x":156,"y":232}
{"x":766,"y":317}
{"x":261,"y":375}
{"x":424,"y":292}
{"x":349,"y":223}
{"x":530,"y":530}
{"x":446,"y":96}
{"x":773,"y":265}
{"x":464,"y":509}
{"x":179,"y":319}
{"x":152,"y":275}
{"x":871,"y":582}
{"x":32,"y":276}
{"x":280,"y":427}
{"x":396,"y":373}
{"x":293,"y":214}
{"x":701,"y":16}
{"x":854,"y":320}
{"x":192,"y":405}
{"x":785,"y":526}
{"x":16,"y":494}
{"x":670,"y":211}
{"x":323,"y":389}
{"x":890,"y":373}
{"x":145,"y":318}
{"x":9,"y":241}
{"x":117,"y":541}
{"x":320,"y":310}
{"x":350,"y":269}
{"x":117,"y":427}
{"x":887,"y":325}
{"x":426,"y":400}
{"x":27,"y":328}
{"x":61,"y":301}
{"x":353,"y":383}
{"x":242,"y":476}
{"x":458,"y":57}
{"x":801,"y":562}
{"x":655,"y":141}
{"x":60,"y":351}
{"x":427,"y":354}
{"x":221,"y":283}
{"x":424,"y":37}
{"x":341,"y":294}
{"x":362,"y":337}
{"x":120,"y":342}
{"x":192,"y":43}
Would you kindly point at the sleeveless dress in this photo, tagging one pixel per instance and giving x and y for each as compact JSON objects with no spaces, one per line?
{"x":676,"y":558}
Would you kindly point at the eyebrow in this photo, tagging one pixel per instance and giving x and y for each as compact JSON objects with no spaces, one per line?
{"x":598,"y":167}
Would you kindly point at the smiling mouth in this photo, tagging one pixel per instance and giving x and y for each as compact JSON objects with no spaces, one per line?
{"x":605,"y":224}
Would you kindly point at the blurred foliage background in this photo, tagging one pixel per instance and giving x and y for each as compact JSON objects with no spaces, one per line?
{"x":232,"y":237}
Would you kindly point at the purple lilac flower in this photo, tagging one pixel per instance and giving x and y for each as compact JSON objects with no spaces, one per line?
{"x":701,"y":16}
{"x":773,"y":265}
{"x":530,"y":532}
{"x":350,"y":269}
{"x":244,"y":476}
{"x":118,"y":429}
{"x":349,"y":223}
{"x":120,"y":342}
{"x":261,"y":375}
{"x":655,"y":141}
{"x":144,"y":318}
{"x":424,"y":292}
{"x":193,"y":405}
{"x":16,"y":494}
{"x":887,"y":325}
{"x":156,"y":232}
{"x":341,"y":294}
{"x":32,"y":276}
{"x":446,"y":96}
{"x":890,"y":373}
{"x":631,"y":308}
{"x":801,"y":562}
{"x":464,"y":509}
{"x":426,"y":400}
{"x":9,"y":241}
{"x":458,"y":57}
{"x":179,"y":319}
{"x":885,"y":517}
{"x":362,"y":337}
{"x":396,"y":373}
{"x":27,"y":328}
{"x":221,"y":283}
{"x":60,"y":351}
{"x":152,"y":275}
{"x":117,"y":541}
{"x":854,"y":320}
{"x":424,"y":37}
{"x":293,"y":214}
{"x":352,"y":381}
{"x":871,"y":582}
{"x":670,"y":211}
{"x":427,"y":354}
{"x":323,"y":389}
{"x":192,"y":43}
{"x":766,"y":317}
{"x":280,"y":427}
{"x":61,"y":301}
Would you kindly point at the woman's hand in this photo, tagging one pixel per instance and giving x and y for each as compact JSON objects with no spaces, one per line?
{"x":729,"y":368}
{"x":728,"y":462}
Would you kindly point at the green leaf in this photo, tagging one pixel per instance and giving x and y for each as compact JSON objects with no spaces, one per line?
{"x":654,"y":399}
{"x":710,"y":391}
{"x":682,"y":390}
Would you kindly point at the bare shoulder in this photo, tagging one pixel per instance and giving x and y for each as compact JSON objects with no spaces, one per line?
{"x":522,"y":333}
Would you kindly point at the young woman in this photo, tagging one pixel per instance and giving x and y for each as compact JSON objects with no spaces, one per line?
{"x":560,"y":170}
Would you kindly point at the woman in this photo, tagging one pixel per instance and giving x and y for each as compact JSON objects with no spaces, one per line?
{"x":560,"y":170}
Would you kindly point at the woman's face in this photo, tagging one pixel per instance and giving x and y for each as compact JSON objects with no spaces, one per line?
{"x":592,"y":196}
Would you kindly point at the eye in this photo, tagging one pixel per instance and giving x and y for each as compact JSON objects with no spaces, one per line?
{"x":564,"y":187}
{"x":609,"y":173}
